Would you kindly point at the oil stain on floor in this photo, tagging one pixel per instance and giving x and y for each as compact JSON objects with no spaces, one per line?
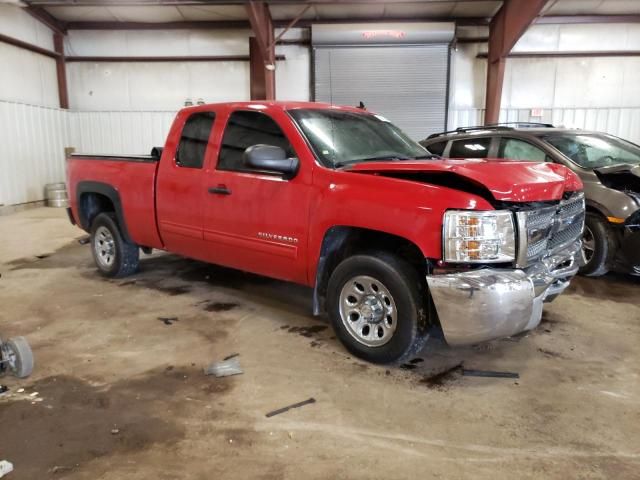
{"x":77,"y":422}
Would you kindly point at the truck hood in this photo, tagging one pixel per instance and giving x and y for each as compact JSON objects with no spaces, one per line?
{"x":509,"y":181}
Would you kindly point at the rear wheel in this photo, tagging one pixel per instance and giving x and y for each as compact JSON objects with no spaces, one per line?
{"x":376,"y":305}
{"x":113,"y":255}
{"x":597,"y":246}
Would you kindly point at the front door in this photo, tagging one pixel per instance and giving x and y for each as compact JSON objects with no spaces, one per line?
{"x":254,"y":220}
{"x":180,"y":186}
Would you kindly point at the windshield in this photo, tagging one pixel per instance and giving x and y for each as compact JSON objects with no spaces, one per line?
{"x":595,"y":150}
{"x":340,"y":138}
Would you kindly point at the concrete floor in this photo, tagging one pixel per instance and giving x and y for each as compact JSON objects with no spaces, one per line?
{"x":105,"y":362}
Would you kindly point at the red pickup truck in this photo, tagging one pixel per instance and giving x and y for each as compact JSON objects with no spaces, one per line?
{"x":392,"y":239}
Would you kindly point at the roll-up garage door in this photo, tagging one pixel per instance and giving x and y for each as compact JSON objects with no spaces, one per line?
{"x":406,"y":83}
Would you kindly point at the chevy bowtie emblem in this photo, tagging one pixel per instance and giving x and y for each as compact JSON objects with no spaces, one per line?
{"x":277,"y":238}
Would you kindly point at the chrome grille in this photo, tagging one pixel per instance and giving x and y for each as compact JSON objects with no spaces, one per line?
{"x":544,"y":231}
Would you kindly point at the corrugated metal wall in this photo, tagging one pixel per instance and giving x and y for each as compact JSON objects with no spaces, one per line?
{"x":119,"y":132}
{"x":622,"y":122}
{"x":32,"y":142}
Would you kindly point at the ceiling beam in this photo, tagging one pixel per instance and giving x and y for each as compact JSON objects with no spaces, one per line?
{"x":573,"y":54}
{"x":47,"y":19}
{"x":577,"y":19}
{"x":177,"y":58}
{"x":188,"y":25}
{"x":245,"y":24}
{"x":505,"y":29}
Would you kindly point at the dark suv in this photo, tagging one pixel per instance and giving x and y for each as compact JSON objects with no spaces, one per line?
{"x":608,"y":166}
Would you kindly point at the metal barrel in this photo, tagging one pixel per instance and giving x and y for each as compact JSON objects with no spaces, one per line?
{"x":56,"y":195}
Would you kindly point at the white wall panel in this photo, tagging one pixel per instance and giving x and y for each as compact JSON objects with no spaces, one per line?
{"x":156,"y":42}
{"x":27,"y":77}
{"x":293,"y":74}
{"x":33,"y":140}
{"x":154,"y":86}
{"x":16,"y":23}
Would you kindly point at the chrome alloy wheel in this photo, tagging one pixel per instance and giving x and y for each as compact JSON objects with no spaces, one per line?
{"x":368,"y":311}
{"x":104,"y":247}
{"x":588,"y":244}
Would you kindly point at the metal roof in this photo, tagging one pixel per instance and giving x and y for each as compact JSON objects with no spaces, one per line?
{"x":159,"y":11}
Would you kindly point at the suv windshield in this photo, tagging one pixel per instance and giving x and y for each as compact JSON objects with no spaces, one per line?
{"x":595,"y":150}
{"x":340,"y":138}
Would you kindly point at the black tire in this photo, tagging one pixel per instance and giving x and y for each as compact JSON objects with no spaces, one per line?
{"x":602,"y":243}
{"x":126,"y":255}
{"x":20,"y":356}
{"x":408,"y":293}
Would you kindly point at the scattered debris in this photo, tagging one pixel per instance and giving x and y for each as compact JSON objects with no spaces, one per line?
{"x":20,"y":390}
{"x":168,"y":320}
{"x":550,"y":353}
{"x":115,"y":431}
{"x":489,"y":373}
{"x":289,"y":407}
{"x":224,"y":368}
{"x":5,"y":467}
{"x":60,"y":468}
{"x":34,"y":394}
{"x":84,"y":240}
{"x":439,"y":379}
{"x":229,"y":357}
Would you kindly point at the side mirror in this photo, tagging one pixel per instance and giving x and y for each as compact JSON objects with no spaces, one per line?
{"x":272,"y":159}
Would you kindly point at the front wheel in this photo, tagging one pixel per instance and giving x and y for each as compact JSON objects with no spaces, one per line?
{"x":376,"y":305}
{"x":113,"y":255}
{"x":597,"y":246}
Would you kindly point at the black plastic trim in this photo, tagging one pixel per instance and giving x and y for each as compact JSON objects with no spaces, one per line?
{"x":108,"y":191}
{"x":118,"y":158}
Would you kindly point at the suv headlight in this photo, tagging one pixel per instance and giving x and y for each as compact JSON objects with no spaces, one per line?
{"x":479,"y":237}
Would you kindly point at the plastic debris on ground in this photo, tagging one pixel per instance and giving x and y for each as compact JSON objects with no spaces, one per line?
{"x":5,"y":467}
{"x":225,"y":368}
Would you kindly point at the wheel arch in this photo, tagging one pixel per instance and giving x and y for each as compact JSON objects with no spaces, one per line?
{"x":341,"y":241}
{"x":94,"y":198}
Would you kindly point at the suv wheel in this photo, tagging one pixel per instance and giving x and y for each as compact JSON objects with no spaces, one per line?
{"x":376,"y":305}
{"x":597,"y":246}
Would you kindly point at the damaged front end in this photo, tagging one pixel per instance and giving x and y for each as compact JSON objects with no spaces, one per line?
{"x":624,"y":178}
{"x":481,"y":304}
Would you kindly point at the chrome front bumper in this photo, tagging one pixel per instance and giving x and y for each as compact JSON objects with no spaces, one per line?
{"x":480,"y":305}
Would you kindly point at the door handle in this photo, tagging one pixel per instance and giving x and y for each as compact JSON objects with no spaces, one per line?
{"x":220,"y":190}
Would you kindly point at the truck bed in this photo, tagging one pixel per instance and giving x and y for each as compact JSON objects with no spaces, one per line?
{"x":132,"y":177}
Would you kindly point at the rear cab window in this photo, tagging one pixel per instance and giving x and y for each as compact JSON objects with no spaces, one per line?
{"x":470,"y":148}
{"x":194,"y":140}
{"x":245,"y":129}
